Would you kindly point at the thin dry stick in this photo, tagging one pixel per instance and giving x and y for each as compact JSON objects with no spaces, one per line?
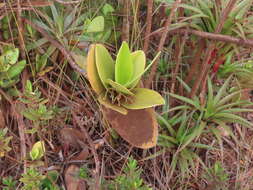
{"x":65,"y":52}
{"x":196,"y":61}
{"x":205,"y":65}
{"x":149,"y":24}
{"x":125,"y":24}
{"x":161,"y":43}
{"x":211,"y":36}
{"x":20,"y":30}
{"x":178,"y":61}
{"x":68,"y":2}
{"x":21,"y":130}
{"x":93,"y":150}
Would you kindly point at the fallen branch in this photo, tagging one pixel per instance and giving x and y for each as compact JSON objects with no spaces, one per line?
{"x":208,"y":35}
{"x":149,"y":25}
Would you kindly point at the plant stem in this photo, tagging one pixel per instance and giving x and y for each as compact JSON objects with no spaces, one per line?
{"x":162,"y":41}
{"x":149,"y":25}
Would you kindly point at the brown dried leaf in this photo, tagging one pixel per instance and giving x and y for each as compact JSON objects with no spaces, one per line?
{"x":83,"y":155}
{"x":71,"y":179}
{"x":72,"y":137}
{"x":138,"y":127}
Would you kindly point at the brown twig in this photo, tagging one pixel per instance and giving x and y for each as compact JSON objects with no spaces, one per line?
{"x":65,"y":52}
{"x":21,"y":130}
{"x":178,"y":61}
{"x":210,"y":36}
{"x":148,"y":26}
{"x":20,"y":27}
{"x":195,"y":61}
{"x":93,"y":149}
{"x":125,"y":23}
{"x":205,"y":65}
{"x":68,"y":2}
{"x":162,"y":41}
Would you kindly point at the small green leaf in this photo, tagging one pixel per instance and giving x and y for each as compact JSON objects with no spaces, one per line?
{"x":134,"y":78}
{"x":96,"y":25}
{"x":16,"y":69}
{"x":124,"y":65}
{"x":144,"y":98}
{"x":139,"y":61}
{"x":38,"y":150}
{"x":11,"y":56}
{"x":107,"y":8}
{"x":119,"y":88}
{"x":105,"y":64}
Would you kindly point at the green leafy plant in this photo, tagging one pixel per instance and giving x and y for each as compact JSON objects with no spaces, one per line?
{"x":220,"y":109}
{"x":49,"y":183}
{"x":216,"y":177}
{"x":9,"y":183}
{"x":117,"y":83}
{"x":117,"y":87}
{"x":36,"y":109}
{"x":10,"y":68}
{"x":130,"y":179}
{"x":179,"y":135}
{"x":32,"y":179}
{"x":4,"y":142}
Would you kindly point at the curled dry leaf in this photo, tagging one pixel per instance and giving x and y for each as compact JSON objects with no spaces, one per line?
{"x":138,"y":127}
{"x":71,"y":179}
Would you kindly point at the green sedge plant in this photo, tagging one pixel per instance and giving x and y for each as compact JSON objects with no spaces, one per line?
{"x":117,"y":85}
{"x":179,"y":135}
{"x":130,"y":179}
{"x":219,"y":109}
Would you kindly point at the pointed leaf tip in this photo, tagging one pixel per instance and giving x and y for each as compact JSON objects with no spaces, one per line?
{"x":124,"y":65}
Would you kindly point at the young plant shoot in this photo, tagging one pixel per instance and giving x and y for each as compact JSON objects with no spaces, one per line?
{"x":125,"y":104}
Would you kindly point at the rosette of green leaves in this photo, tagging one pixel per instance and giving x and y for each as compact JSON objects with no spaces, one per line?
{"x":10,"y":68}
{"x":117,"y":82}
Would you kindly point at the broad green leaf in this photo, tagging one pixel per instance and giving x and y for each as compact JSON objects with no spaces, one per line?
{"x":96,"y":25}
{"x":144,"y":98}
{"x":38,"y":150}
{"x":140,"y":74}
{"x":92,"y":72}
{"x":105,"y":64}
{"x":139,"y":61}
{"x":124,"y":65}
{"x":16,"y":69}
{"x":11,"y":56}
{"x":107,"y":8}
{"x":119,"y":88}
{"x":104,"y":101}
